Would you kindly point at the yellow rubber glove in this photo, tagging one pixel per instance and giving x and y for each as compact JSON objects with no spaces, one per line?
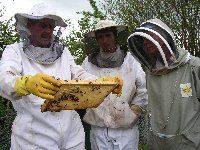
{"x":41,"y":85}
{"x":118,"y":89}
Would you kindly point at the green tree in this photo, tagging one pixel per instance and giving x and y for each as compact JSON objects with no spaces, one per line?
{"x":7,"y":31}
{"x":75,"y":40}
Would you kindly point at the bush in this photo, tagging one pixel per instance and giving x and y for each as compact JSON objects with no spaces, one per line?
{"x":7,"y":115}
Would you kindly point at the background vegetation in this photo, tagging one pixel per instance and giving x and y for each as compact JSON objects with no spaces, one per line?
{"x":181,"y":15}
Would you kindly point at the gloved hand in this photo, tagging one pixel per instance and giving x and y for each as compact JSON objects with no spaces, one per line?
{"x":120,"y":111}
{"x":41,"y":85}
{"x":137,"y":110}
{"x":118,"y":80}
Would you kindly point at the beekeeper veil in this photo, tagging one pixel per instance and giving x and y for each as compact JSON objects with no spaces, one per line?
{"x":162,"y":39}
{"x":38,"y":54}
{"x":97,"y":55}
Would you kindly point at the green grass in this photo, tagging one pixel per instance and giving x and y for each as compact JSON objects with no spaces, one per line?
{"x":142,"y":147}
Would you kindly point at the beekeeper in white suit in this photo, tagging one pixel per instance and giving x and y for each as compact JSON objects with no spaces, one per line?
{"x":26,"y":72}
{"x":114,"y":122}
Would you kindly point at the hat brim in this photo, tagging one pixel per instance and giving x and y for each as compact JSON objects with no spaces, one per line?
{"x":22,"y":17}
{"x":120,"y":28}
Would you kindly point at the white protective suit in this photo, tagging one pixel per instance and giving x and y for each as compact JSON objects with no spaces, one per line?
{"x":114,"y":120}
{"x":32,"y":129}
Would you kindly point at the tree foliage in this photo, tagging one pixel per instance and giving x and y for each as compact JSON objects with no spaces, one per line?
{"x":7,"y":31}
{"x":75,"y":40}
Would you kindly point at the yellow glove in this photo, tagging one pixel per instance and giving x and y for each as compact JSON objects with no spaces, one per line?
{"x":41,"y":85}
{"x":118,"y":80}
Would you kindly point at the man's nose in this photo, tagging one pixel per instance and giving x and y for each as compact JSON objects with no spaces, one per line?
{"x":104,"y":39}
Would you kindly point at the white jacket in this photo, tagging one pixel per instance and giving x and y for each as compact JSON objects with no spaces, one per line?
{"x":33,"y":129}
{"x":115,"y":111}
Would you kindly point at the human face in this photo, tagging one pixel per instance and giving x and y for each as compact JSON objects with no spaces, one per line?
{"x":106,"y":41}
{"x":152,"y":48}
{"x":41,"y":32}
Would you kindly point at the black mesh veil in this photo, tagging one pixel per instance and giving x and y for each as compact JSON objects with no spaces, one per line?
{"x":155,"y":34}
{"x":136,"y":49}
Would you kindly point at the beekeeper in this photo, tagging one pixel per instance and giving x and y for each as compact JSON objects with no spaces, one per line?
{"x":173,"y":85}
{"x":28,"y":73}
{"x":114,"y":122}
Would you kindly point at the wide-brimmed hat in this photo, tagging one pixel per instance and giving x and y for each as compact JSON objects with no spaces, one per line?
{"x":102,"y":24}
{"x":91,"y":44}
{"x":40,"y":11}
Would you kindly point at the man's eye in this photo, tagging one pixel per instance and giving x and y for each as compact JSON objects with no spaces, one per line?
{"x":100,"y":37}
{"x":47,"y":26}
{"x":107,"y":35}
{"x":43,"y":26}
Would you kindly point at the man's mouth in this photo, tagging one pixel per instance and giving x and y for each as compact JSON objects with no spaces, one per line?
{"x":46,"y":38}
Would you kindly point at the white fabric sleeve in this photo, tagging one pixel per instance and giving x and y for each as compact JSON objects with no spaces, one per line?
{"x":85,"y":63}
{"x":140,"y":98}
{"x":79,"y":73}
{"x":10,"y":69}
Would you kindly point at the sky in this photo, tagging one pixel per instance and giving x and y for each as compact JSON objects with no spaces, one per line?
{"x":65,"y":8}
